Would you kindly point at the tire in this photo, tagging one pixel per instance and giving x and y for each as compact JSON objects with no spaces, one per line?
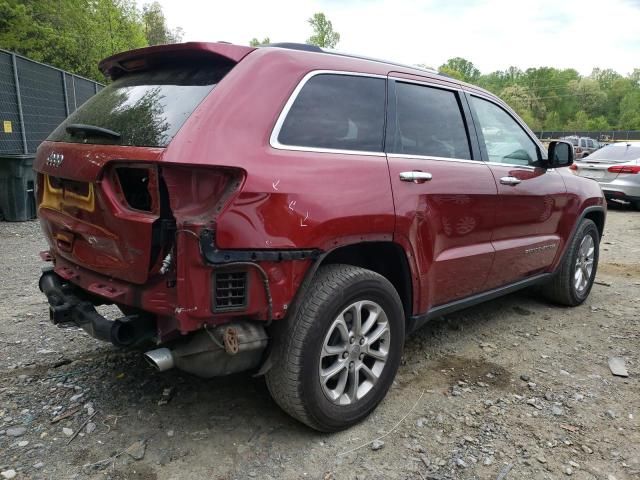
{"x":295,"y":380}
{"x":563,"y":288}
{"x":636,"y":204}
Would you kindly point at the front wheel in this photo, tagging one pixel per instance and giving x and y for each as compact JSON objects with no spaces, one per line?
{"x":573,"y":280}
{"x":338,"y":352}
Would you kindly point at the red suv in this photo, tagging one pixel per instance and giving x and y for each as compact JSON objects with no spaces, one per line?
{"x":298,"y":213}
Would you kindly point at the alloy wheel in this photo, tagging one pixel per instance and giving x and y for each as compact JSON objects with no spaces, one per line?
{"x":584,"y":264}
{"x":354,"y":352}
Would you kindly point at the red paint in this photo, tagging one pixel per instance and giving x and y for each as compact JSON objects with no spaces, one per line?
{"x":462,"y":233}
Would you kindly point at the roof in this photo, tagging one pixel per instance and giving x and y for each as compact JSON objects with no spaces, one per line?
{"x":314,"y":48}
{"x":131,"y":60}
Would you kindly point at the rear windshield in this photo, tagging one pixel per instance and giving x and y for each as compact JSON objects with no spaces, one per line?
{"x":618,"y":152}
{"x":146,"y":109}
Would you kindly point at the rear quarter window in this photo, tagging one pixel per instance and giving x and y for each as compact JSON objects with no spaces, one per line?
{"x":337,"y":112}
{"x":146,"y":108}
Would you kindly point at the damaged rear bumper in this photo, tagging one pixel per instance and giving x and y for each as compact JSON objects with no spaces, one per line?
{"x":68,"y":304}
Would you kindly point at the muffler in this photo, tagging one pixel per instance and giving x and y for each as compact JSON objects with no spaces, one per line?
{"x":214,"y":352}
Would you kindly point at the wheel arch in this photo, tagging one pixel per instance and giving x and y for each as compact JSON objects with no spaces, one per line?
{"x":385,"y":258}
{"x":597,"y":215}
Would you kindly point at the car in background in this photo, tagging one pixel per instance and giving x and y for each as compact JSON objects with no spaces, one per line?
{"x":582,"y":146}
{"x":616,"y":168}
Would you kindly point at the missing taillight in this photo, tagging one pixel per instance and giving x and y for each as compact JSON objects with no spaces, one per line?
{"x":69,"y":186}
{"x":135,"y":187}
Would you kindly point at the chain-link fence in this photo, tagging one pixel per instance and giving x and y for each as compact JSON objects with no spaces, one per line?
{"x":601,"y":135}
{"x":34,"y":99}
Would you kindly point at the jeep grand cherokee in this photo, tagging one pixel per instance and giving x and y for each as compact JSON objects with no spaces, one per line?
{"x":298,"y":212}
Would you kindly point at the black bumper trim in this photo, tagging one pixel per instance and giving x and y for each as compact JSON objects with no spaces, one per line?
{"x":220,"y":257}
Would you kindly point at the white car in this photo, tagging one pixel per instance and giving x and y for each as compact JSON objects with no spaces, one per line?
{"x":616,"y":168}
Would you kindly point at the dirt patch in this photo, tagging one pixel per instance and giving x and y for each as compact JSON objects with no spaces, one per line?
{"x":460,"y":370}
{"x":620,"y":269}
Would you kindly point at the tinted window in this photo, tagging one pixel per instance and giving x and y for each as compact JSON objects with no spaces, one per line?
{"x":508,"y":142}
{"x":429,"y":122}
{"x":146,"y":108}
{"x":342,"y":112}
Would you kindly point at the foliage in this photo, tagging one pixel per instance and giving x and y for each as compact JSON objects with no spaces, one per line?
{"x":560,"y":99}
{"x":75,"y":35}
{"x":254,"y":42}
{"x":155,"y":26}
{"x":323,"y":34}
{"x":464,"y":69}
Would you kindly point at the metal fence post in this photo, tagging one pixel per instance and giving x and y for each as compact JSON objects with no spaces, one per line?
{"x":16,"y":80}
{"x":75,"y":94}
{"x":64,"y":91}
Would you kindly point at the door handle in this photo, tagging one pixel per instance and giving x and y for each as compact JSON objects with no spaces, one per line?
{"x":510,"y":181}
{"x":415,"y":176}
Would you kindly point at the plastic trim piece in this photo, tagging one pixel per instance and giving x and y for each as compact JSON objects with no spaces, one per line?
{"x":416,"y":321}
{"x":215,"y":256}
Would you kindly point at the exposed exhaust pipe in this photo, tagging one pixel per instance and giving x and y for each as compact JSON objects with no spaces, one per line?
{"x":226,"y":349}
{"x":66,"y":306}
{"x":160,"y":358}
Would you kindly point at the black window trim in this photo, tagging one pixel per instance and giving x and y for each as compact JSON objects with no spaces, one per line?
{"x":275,"y":132}
{"x":465,"y":112}
{"x":542,"y":157}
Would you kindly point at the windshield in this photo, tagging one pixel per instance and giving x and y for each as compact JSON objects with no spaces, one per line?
{"x":145,"y":109}
{"x":619,"y":152}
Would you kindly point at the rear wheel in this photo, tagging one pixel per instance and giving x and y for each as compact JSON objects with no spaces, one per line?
{"x":337,"y":354}
{"x":573,"y":280}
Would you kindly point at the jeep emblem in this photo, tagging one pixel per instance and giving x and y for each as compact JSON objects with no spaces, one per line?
{"x":55,"y":159}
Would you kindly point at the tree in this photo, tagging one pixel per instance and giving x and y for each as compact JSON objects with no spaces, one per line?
{"x":75,"y":35}
{"x":630,"y":111}
{"x":323,"y":34}
{"x":466,"y":70}
{"x":155,"y":24}
{"x":254,"y":42}
{"x":525,"y":103}
{"x":580,"y":122}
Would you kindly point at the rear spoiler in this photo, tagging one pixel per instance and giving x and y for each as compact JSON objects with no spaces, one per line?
{"x":143,"y":58}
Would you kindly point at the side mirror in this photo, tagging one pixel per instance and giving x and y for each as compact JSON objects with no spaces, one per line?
{"x":560,"y":154}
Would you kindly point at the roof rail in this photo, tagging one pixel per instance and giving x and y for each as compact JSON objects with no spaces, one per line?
{"x":314,"y":48}
{"x":296,"y":46}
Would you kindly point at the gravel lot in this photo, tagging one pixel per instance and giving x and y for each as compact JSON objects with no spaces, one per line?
{"x":513,"y":389}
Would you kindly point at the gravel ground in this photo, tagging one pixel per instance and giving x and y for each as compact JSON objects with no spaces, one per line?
{"x":512,"y":389}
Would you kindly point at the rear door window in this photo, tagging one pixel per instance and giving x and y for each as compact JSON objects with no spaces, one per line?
{"x":337,"y":112}
{"x":144,"y":109}
{"x":428,"y":123}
